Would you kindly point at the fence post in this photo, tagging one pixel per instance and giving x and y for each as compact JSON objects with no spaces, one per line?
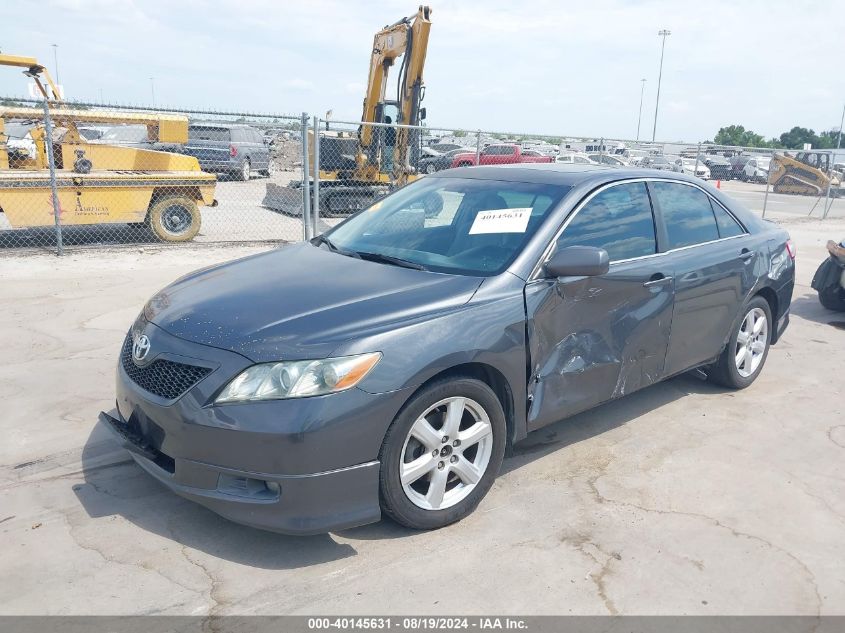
{"x":601,"y":151}
{"x":695,"y":169}
{"x":315,"y":209}
{"x":768,"y":185}
{"x":829,"y":182}
{"x":306,"y":177}
{"x":478,"y":147}
{"x":48,"y":142}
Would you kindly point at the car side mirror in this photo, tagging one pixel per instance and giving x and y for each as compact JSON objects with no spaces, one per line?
{"x":422,"y":114}
{"x":578,"y":261}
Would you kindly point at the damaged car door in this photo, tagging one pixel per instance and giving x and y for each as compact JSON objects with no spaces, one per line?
{"x":596,"y":338}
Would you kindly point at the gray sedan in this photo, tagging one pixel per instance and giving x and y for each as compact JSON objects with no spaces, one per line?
{"x":387,"y":366}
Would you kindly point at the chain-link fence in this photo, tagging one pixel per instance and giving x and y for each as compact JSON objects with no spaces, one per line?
{"x":87,"y":174}
{"x":94,"y":174}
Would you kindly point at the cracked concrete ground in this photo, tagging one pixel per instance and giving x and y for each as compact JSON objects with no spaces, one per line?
{"x":680,"y":499}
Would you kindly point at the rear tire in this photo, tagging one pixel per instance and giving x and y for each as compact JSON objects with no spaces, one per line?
{"x":455,"y":430}
{"x":833,"y":299}
{"x":745,"y":354}
{"x":174,"y":218}
{"x":245,"y":171}
{"x":271,"y":169}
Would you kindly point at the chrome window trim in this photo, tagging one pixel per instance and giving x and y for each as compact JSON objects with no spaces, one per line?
{"x":538,"y":267}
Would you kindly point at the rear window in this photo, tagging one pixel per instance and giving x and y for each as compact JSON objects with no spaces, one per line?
{"x":687,"y":214}
{"x":202,"y":133}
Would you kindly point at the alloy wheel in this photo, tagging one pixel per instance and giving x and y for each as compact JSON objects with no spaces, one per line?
{"x":751,"y":342}
{"x":446,"y":453}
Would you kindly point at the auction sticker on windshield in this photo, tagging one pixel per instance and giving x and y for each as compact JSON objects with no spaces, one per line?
{"x":501,"y":221}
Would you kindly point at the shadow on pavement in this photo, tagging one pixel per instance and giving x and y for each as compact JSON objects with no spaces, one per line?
{"x":89,"y":234}
{"x":808,"y":307}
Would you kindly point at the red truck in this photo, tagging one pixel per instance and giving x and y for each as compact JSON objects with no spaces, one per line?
{"x":503,"y":154}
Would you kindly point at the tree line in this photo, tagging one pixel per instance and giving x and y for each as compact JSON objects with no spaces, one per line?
{"x":794,"y":139}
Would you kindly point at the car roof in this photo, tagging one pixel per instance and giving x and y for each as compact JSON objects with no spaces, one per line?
{"x":567,"y":174}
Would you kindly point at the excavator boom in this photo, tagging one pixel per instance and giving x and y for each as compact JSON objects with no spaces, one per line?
{"x":407,"y":37}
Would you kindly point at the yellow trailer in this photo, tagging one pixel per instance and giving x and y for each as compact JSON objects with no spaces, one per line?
{"x":100,"y":183}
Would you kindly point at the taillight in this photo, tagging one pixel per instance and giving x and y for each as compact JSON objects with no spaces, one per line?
{"x":790,"y":248}
{"x":233,"y":151}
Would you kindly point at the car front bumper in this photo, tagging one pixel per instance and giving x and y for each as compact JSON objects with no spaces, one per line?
{"x":297,"y":466}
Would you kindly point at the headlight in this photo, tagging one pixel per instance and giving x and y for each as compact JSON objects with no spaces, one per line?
{"x":297,"y":379}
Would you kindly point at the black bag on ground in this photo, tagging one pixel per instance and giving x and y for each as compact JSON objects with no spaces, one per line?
{"x":827,"y":276}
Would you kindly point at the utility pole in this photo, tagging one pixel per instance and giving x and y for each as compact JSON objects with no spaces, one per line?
{"x":56,"y":62}
{"x":153,"y":90}
{"x":662,"y":33}
{"x":640,"y":116}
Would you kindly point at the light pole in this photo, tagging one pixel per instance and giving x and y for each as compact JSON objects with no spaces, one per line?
{"x":662,"y":33}
{"x":153,"y":90}
{"x":640,"y":116}
{"x":56,"y":61}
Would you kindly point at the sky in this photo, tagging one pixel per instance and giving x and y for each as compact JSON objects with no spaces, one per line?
{"x":536,"y":66}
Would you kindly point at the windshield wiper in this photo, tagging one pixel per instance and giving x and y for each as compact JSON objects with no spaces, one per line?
{"x":322,"y":239}
{"x":388,"y":259}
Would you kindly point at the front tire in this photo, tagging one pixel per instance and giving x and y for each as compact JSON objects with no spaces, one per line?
{"x":746,"y":352}
{"x":442,"y":453}
{"x":174,"y":218}
{"x":430,"y":168}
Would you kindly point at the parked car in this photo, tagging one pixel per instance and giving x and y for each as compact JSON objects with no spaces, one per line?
{"x":719,"y":166}
{"x":499,"y":154}
{"x":575,"y":158}
{"x":656,"y":162}
{"x":384,"y":366}
{"x":691,"y":167}
{"x":445,"y":147}
{"x":234,"y":149}
{"x":738,"y":165}
{"x":429,"y":165}
{"x":614,"y":160}
{"x":757,"y":169}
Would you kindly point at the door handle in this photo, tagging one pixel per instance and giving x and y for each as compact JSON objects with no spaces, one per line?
{"x":657,"y":279}
{"x":745,"y":255}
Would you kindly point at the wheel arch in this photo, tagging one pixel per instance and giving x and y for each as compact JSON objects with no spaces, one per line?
{"x":491,"y":377}
{"x":771,"y":298}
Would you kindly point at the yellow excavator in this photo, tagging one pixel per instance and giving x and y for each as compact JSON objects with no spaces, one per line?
{"x":357,"y":169}
{"x":97,"y":183}
{"x":807,"y":173}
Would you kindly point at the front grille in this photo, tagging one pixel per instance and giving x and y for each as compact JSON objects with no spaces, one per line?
{"x":163,"y":378}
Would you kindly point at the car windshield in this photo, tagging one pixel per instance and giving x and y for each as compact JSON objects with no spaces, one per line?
{"x":451,"y":225}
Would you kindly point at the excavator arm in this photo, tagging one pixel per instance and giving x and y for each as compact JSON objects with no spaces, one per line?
{"x":409,"y":38}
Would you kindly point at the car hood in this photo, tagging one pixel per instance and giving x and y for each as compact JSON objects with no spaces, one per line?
{"x":300,"y":302}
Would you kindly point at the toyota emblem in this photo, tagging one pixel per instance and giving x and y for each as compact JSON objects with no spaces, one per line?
{"x":140,"y":348}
